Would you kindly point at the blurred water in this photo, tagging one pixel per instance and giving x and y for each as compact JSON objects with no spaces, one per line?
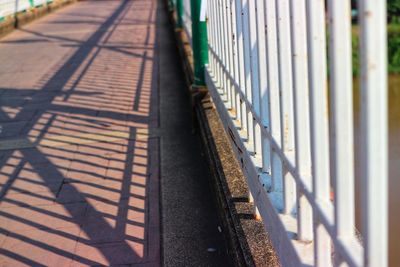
{"x":394,"y":165}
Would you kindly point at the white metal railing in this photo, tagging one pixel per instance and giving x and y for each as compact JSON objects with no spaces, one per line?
{"x":10,"y":7}
{"x":187,"y":19}
{"x":268,"y":77}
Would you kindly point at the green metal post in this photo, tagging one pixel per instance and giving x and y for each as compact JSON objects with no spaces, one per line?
{"x":200,"y":43}
{"x":179,"y":13}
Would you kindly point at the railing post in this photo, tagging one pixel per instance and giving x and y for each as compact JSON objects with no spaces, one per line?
{"x":200,"y":43}
{"x":179,"y":13}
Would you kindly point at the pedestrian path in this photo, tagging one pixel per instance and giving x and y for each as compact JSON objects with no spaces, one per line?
{"x":78,"y":172}
{"x":99,"y":162}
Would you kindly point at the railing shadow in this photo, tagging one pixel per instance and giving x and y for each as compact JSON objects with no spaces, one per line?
{"x":77,"y":165}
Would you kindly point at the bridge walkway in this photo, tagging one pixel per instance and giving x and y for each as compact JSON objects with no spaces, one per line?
{"x":99,"y":164}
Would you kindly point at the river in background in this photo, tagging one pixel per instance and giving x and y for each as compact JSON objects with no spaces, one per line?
{"x":394,"y":165}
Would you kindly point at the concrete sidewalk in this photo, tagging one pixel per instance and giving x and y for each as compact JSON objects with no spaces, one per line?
{"x":84,"y":149}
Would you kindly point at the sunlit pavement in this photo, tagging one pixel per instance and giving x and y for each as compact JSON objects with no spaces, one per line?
{"x":79,"y":172}
{"x":83,"y":130}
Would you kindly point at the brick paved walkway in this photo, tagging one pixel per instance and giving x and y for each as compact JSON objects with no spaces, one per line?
{"x":79,"y":178}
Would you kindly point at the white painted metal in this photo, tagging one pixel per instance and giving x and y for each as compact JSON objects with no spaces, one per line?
{"x":341,"y":91}
{"x":319,"y":123}
{"x":374,"y":126}
{"x":274,"y":104}
{"x":230,"y":62}
{"x":40,"y":2}
{"x":10,"y":7}
{"x":203,"y":10}
{"x":265,"y":176}
{"x":187,"y":19}
{"x":242,"y":83}
{"x":301,"y":114}
{"x":286,"y":100}
{"x":268,"y":79}
{"x":224,"y":51}
{"x":247,"y":72}
{"x":254,"y":76}
{"x":235,"y":67}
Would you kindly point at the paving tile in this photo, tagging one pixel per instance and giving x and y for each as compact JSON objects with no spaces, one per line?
{"x":109,"y":254}
{"x":53,"y":216}
{"x":39,"y":248}
{"x":11,"y":129}
{"x":122,"y":223}
{"x":20,"y":186}
{"x":3,"y":235}
{"x":13,"y":198}
{"x":86,"y":171}
{"x":25,"y":178}
{"x":49,"y":154}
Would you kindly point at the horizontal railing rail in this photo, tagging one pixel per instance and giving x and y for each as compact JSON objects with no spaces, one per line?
{"x":280,"y":76}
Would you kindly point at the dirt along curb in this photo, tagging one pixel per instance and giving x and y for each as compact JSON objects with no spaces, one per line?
{"x":246,"y":237}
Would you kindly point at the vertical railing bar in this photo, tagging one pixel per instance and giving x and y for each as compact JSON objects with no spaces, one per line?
{"x":210,"y":26}
{"x":255,"y":88}
{"x":374,"y":130}
{"x":224,"y":50}
{"x":286,"y":104}
{"x":187,"y":13}
{"x":285,"y":75}
{"x":273,"y":85}
{"x":319,"y":122}
{"x":264,"y":94}
{"x":252,"y":51}
{"x":273,"y":75}
{"x":247,"y":70}
{"x":302,"y":115}
{"x":230,"y":54}
{"x":221,"y":48}
{"x":239,"y":33}
{"x":215,"y":40}
{"x":262,"y":64}
{"x":263,"y":89}
{"x":236,"y":62}
{"x":227,"y":54}
{"x":341,"y":91}
{"x":217,"y":44}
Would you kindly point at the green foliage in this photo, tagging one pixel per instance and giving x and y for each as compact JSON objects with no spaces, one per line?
{"x":393,"y":9}
{"x":393,"y":13}
{"x":356,"y":61}
{"x":393,"y":49}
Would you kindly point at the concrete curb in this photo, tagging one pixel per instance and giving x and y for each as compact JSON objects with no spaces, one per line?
{"x":247,"y":240}
{"x":22,"y":18}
